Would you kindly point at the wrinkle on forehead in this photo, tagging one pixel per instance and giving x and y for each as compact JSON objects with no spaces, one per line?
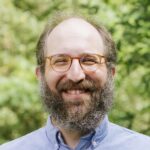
{"x":74,"y":28}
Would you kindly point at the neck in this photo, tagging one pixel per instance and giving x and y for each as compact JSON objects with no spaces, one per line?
{"x":70,"y":137}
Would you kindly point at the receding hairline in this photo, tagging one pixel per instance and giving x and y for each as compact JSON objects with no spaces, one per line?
{"x":76,"y":19}
{"x":76,"y":26}
{"x":59,"y":17}
{"x":58,"y":21}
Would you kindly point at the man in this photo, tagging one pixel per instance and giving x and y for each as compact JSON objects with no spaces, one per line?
{"x":76,"y":66}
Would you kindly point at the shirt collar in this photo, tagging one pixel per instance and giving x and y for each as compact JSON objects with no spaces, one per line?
{"x":100,"y":132}
{"x":51,"y":131}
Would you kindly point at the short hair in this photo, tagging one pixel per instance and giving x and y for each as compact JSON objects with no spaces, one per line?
{"x":110,"y":48}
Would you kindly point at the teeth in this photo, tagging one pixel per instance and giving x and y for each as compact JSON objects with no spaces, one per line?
{"x":75,"y":91}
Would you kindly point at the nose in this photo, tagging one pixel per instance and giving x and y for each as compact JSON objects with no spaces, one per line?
{"x":75,"y":73}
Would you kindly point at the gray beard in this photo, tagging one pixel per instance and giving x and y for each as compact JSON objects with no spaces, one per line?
{"x":99,"y":104}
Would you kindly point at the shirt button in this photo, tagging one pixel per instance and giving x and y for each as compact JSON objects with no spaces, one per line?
{"x":56,"y":145}
{"x":94,"y":143}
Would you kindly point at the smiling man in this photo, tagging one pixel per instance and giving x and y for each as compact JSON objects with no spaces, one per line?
{"x":76,"y":66}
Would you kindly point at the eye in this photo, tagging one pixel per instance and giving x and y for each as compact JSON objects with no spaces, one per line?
{"x":89,"y":60}
{"x":60,"y":60}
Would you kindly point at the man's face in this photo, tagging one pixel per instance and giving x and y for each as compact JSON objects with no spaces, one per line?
{"x":77,"y":99}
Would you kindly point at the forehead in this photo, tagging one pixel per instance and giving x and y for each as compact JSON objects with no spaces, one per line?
{"x":74,"y":35}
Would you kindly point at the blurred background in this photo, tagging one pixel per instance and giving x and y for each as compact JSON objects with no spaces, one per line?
{"x":21,"y":23}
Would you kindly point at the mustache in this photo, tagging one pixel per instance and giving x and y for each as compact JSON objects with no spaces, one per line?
{"x":87,"y":85}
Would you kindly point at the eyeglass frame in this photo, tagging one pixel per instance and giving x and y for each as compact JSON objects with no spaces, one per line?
{"x":50,"y":57}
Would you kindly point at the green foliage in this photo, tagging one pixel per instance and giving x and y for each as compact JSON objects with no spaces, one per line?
{"x":21,"y":24}
{"x":133,"y":86}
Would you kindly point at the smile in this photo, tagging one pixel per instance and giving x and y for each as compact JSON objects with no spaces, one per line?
{"x":75,"y":92}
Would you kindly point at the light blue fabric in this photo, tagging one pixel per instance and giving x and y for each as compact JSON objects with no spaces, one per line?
{"x":107,"y":136}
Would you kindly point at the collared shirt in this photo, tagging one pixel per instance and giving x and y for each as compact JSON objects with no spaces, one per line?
{"x":107,"y":136}
{"x":83,"y":144}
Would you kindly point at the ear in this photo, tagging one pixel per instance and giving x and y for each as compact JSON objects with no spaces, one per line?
{"x":38,"y":73}
{"x":113,"y":71}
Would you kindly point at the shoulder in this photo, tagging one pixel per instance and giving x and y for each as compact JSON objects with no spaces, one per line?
{"x":32,"y":141}
{"x":126,"y":132}
{"x":128,"y":139}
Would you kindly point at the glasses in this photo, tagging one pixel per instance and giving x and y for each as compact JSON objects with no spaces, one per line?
{"x":88,"y":62}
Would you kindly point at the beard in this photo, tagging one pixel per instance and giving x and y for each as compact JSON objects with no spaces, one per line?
{"x":82,"y":114}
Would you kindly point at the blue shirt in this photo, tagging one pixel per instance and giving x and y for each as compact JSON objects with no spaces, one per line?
{"x":107,"y":136}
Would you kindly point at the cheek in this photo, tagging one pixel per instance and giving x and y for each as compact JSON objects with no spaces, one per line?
{"x":52,"y":78}
{"x":100,"y":75}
